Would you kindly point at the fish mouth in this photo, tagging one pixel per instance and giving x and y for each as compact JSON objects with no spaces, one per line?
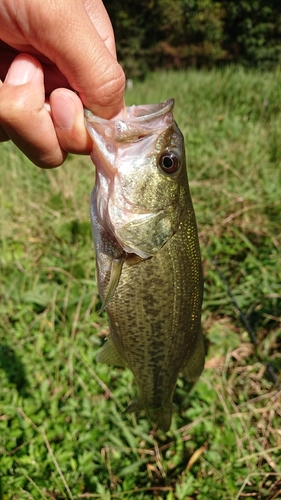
{"x":144,"y":112}
{"x":133,"y":123}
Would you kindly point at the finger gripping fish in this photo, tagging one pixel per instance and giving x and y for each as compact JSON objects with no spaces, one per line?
{"x":148,"y":259}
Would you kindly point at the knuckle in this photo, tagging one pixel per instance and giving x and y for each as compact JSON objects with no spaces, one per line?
{"x":116,"y":82}
{"x":48,"y":161}
{"x":12,"y":109}
{"x":111,"y":90}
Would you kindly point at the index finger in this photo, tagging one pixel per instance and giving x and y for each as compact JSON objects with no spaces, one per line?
{"x":64,"y":32}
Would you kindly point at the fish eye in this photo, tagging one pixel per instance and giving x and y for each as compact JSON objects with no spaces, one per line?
{"x":169,"y":162}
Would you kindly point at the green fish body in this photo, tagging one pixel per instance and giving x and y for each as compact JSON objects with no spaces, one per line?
{"x":148,"y":258}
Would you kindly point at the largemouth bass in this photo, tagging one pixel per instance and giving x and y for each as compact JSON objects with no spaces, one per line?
{"x":148,"y":259}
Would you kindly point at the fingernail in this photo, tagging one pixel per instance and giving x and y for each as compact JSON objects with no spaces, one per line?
{"x":21,"y":71}
{"x":64,"y":112}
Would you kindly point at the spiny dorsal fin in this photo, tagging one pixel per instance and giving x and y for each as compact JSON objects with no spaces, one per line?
{"x":109,"y":354}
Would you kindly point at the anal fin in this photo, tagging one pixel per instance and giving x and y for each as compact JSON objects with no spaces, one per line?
{"x":109,"y":354}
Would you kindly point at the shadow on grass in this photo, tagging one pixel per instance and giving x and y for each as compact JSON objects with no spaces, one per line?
{"x":14,"y":369}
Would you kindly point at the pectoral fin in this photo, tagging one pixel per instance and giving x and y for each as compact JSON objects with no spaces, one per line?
{"x":109,"y":354}
{"x":115,"y":273}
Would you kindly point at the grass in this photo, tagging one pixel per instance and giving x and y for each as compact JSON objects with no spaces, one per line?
{"x":62,"y":431}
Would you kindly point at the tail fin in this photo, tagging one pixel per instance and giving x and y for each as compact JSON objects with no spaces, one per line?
{"x":162,"y":417}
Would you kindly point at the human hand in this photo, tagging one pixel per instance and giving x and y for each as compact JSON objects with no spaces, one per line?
{"x":48,"y":50}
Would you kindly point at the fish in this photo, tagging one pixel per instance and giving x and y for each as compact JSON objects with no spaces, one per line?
{"x":149,"y":268}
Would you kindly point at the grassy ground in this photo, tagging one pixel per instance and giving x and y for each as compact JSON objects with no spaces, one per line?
{"x":62,"y":431}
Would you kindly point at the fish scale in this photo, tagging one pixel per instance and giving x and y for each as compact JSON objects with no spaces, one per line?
{"x":148,"y":256}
